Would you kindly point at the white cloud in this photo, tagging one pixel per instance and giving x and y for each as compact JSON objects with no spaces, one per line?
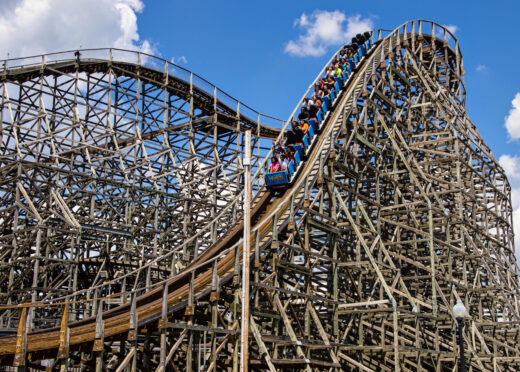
{"x":511,"y":165}
{"x":322,"y":29}
{"x":481,"y":68}
{"x":31,"y":27}
{"x":452,"y":28}
{"x":513,"y":119}
{"x":179,"y":60}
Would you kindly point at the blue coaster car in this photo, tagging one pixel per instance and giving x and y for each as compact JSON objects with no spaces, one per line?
{"x":306,"y":142}
{"x":332,"y":95}
{"x":299,"y":151}
{"x":338,"y":84}
{"x":291,"y":168}
{"x":326,"y":103}
{"x":297,"y":157}
{"x":350,"y":65}
{"x":313,"y":124}
{"x":311,"y":131}
{"x":319,"y":116}
{"x":276,"y":178}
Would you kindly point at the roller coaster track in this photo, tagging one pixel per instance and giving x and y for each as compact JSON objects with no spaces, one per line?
{"x":400,"y":210}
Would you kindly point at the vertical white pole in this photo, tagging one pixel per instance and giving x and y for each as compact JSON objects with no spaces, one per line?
{"x":244,"y":334}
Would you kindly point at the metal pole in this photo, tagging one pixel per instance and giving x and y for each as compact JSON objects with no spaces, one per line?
{"x":462,"y":367}
{"x":244,"y":334}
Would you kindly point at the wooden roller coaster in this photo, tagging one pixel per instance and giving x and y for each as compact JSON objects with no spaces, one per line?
{"x":122,"y":199}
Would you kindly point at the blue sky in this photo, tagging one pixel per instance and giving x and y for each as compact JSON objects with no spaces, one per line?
{"x":241,"y":46}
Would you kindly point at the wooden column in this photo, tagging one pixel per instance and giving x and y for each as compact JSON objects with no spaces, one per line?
{"x":244,"y":331}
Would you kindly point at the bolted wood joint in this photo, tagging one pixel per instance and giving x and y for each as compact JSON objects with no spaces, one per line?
{"x":214,"y":296}
{"x":163,"y":324}
{"x":132,"y":335}
{"x":190,"y":311}
{"x":99,"y":345}
{"x":63,"y":353}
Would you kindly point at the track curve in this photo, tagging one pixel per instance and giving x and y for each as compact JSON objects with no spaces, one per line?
{"x":203,"y":100}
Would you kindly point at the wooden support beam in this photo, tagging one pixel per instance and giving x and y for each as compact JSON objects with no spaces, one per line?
{"x":21,"y":340}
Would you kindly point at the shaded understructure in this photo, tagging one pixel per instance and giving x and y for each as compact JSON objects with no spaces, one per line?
{"x":121,"y":204}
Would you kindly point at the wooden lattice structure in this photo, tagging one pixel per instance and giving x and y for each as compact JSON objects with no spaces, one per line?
{"x":121,"y":213}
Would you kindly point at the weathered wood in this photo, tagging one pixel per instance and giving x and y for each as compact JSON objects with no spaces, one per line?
{"x":124,"y":199}
{"x":244,"y":328}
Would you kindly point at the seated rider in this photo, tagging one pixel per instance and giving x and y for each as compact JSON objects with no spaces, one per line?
{"x":338,"y":71}
{"x":307,"y":102}
{"x":331,"y":82}
{"x":325,"y":90}
{"x":295,"y":135}
{"x":284,"y":162}
{"x":290,"y":153}
{"x":278,"y":151}
{"x":275,"y":165}
{"x":304,"y":126}
{"x":319,"y":105}
{"x":330,"y":71}
{"x":350,"y":53}
{"x":322,"y":83}
{"x":318,"y":93}
{"x":313,"y":110}
{"x":304,"y":114}
{"x":342,"y":56}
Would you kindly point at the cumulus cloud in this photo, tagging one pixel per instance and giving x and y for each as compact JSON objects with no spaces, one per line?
{"x":322,"y":29}
{"x":179,"y":60}
{"x":31,"y":27}
{"x":513,"y":119}
{"x":452,"y":28}
{"x":511,"y":165}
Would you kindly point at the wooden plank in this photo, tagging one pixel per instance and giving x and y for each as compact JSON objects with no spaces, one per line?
{"x":261,"y":345}
{"x":368,"y":144}
{"x":194,"y":327}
